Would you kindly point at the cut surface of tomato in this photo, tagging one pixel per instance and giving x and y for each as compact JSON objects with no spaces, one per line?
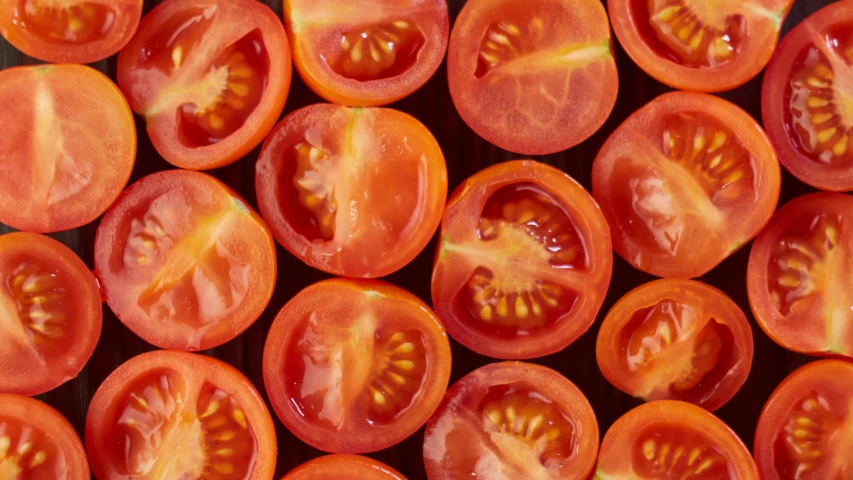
{"x":533,"y":77}
{"x":523,"y":262}
{"x":343,"y":467}
{"x":353,"y":192}
{"x":184,"y":262}
{"x":210,"y":77}
{"x":355,"y":366}
{"x":685,"y":182}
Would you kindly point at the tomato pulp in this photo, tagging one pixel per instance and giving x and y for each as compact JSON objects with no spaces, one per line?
{"x":343,"y":467}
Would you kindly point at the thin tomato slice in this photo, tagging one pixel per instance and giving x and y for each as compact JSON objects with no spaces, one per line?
{"x":184,"y":262}
{"x":355,"y":366}
{"x":175,"y":415}
{"x":523,"y":262}
{"x":210,"y":77}
{"x":343,"y":467}
{"x":685,"y":182}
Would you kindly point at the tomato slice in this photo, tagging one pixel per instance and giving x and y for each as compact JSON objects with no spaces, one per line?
{"x":512,"y":420}
{"x":184,"y":262}
{"x":68,"y":146}
{"x":210,"y":77}
{"x":172,"y":415}
{"x":533,"y":77}
{"x":807,"y":99}
{"x":343,"y":467}
{"x":355,"y":366}
{"x":669,"y":439}
{"x":685,"y":182}
{"x":523,"y":263}
{"x":696,"y":44}
{"x":354,"y":192}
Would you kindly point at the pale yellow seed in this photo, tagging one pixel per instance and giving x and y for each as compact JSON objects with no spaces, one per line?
{"x":397,"y":378}
{"x":721,"y":48}
{"x":789,"y":281}
{"x":512,"y":29}
{"x":407,"y":347}
{"x":239,"y":417}
{"x":825,"y":135}
{"x":379,"y":398}
{"x":241,"y":72}
{"x":405,"y":365}
{"x":697,"y":39}
{"x":817,"y":102}
{"x":537,"y":24}
{"x":824,"y":71}
{"x":819,"y":118}
{"x":649,"y":449}
{"x":668,"y":13}
{"x":521,"y":309}
{"x":840,"y":148}
{"x":5,"y":442}
{"x":239,"y":89}
{"x":177,"y":56}
{"x":664,"y":452}
{"x":503,"y":309}
{"x":816,"y":82}
{"x":396,"y":337}
{"x":224,"y":468}
{"x":75,"y":24}
{"x":38,"y":459}
{"x":355,"y":55}
{"x":494,"y":416}
{"x":25,"y":448}
{"x":225,"y":436}
{"x":718,"y":141}
{"x":402,"y":24}
{"x":715,"y":161}
{"x":217,"y":122}
{"x":212,"y":407}
{"x":224,"y":452}
{"x":704,"y":466}
{"x":486,"y":313}
{"x":684,"y":33}
{"x":533,"y":425}
{"x":374,"y":53}
{"x":694,"y":455}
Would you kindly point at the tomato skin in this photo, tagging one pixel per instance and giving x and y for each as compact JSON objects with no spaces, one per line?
{"x":343,"y":467}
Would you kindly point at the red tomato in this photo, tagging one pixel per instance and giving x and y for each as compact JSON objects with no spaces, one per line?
{"x":523,"y":263}
{"x":354,"y":192}
{"x":805,"y":100}
{"x":177,"y":415}
{"x":343,"y":467}
{"x":184,"y":262}
{"x":676,"y":339}
{"x":685,"y":182}
{"x":533,"y":77}
{"x":210,"y":77}
{"x":367,"y":52}
{"x":695,"y":45}
{"x":512,"y":420}
{"x":355,"y":366}
{"x":68,"y":145}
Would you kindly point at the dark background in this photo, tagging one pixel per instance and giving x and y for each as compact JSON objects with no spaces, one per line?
{"x":465,"y":153}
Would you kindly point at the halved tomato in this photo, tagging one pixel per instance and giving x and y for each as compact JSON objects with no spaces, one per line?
{"x":184,"y":262}
{"x":804,"y":430}
{"x":355,"y":366}
{"x":175,"y":415}
{"x":685,"y":182}
{"x":523,"y":262}
{"x":807,"y":99}
{"x":669,"y":440}
{"x":343,"y":467}
{"x":512,"y":420}
{"x":702,"y":45}
{"x":68,"y":145}
{"x":533,"y":77}
{"x":676,"y":339}
{"x":210,"y":77}
{"x":798,"y":276}
{"x":354,"y":192}
{"x":367,"y":52}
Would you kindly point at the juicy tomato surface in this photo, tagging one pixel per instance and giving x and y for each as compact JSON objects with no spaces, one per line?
{"x":69,"y":31}
{"x":685,"y":182}
{"x":353,"y":192}
{"x":512,"y":420}
{"x":343,"y":467}
{"x":367,"y":52}
{"x":702,"y":45}
{"x":807,"y":99}
{"x":176,"y":415}
{"x":533,"y":77}
{"x":523,"y":263}
{"x":68,"y":146}
{"x":673,"y":440}
{"x":210,"y":77}
{"x":184,"y":262}
{"x":355,"y":366}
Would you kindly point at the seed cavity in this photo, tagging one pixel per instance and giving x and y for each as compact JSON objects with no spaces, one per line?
{"x":692,"y":41}
{"x":315,"y":187}
{"x":40,"y":299}
{"x":399,"y":369}
{"x":806,"y":434}
{"x":667,"y":451}
{"x":379,"y":51}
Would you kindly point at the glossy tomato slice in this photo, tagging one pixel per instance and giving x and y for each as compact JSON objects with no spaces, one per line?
{"x":210,"y":77}
{"x":523,"y":263}
{"x":696,"y":44}
{"x":685,"y":182}
{"x":672,"y":440}
{"x":355,"y":366}
{"x":343,"y":467}
{"x":177,"y":415}
{"x":184,"y":262}
{"x":807,"y":99}
{"x":367,"y":52}
{"x":354,"y":192}
{"x":68,"y":145}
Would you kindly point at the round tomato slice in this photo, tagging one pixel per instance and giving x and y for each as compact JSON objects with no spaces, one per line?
{"x":210,"y":77}
{"x":533,"y":77}
{"x":367,"y":53}
{"x":355,"y":366}
{"x":697,"y":44}
{"x":807,"y":99}
{"x":685,"y":182}
{"x":343,"y":467}
{"x":512,"y":420}
{"x":353,"y":192}
{"x":68,"y":146}
{"x":523,"y":263}
{"x":676,"y":339}
{"x":174,"y":415}
{"x":184,"y":262}
{"x":672,"y":440}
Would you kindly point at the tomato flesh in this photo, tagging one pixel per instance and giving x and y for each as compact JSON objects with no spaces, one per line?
{"x":74,"y":23}
{"x":343,"y":466}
